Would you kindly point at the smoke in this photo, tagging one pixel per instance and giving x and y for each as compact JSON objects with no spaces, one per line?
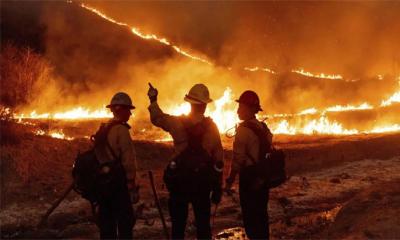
{"x":94,"y":58}
{"x":355,"y":39}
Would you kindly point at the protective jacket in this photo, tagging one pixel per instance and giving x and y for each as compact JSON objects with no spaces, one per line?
{"x":254,"y":194}
{"x":121,"y":143}
{"x":180,"y":199}
{"x":175,"y":126}
{"x":246,"y":146}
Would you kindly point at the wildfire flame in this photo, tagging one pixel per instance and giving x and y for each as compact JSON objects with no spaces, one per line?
{"x":395,"y":98}
{"x":338,"y":108}
{"x":223,"y":110}
{"x":186,"y":53}
{"x":54,"y":134}
{"x":320,"y":75}
{"x":76,"y":113}
{"x":140,"y":34}
{"x":255,"y":69}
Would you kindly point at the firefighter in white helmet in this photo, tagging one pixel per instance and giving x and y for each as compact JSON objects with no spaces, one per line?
{"x":195,"y":169}
{"x":116,"y":216}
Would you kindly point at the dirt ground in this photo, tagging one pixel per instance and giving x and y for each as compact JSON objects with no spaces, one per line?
{"x":339,"y":187}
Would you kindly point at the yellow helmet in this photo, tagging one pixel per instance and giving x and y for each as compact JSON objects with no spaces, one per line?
{"x":121,"y":98}
{"x":198,"y":94}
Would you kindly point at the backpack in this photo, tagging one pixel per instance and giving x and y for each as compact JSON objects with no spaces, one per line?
{"x":271,"y":161}
{"x":193,"y":169}
{"x":92,"y":179}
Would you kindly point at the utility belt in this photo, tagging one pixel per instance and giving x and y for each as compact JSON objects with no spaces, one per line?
{"x":178,"y":181}
{"x":249,"y":178}
{"x":111,"y":177}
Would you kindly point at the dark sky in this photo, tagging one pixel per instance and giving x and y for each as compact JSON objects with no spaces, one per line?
{"x":353,"y":38}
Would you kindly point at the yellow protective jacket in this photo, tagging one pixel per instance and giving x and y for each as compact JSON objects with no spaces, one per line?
{"x":246,"y":146}
{"x":175,"y":126}
{"x":121,"y":142}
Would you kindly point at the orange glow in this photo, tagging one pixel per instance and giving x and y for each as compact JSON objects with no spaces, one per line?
{"x":54,"y":134}
{"x":255,"y":69}
{"x":395,"y":98}
{"x":140,"y":34}
{"x":338,"y":108}
{"x":319,"y":75}
{"x":76,"y":113}
{"x":222,"y":111}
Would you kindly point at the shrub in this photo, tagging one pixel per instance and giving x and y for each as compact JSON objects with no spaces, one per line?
{"x":21,"y":69}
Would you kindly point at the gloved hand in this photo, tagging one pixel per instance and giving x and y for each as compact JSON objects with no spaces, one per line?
{"x":216,"y":195}
{"x":152,"y":93}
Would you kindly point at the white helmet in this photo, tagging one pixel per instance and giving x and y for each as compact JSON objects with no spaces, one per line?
{"x":198,"y":94}
{"x":121,"y":98}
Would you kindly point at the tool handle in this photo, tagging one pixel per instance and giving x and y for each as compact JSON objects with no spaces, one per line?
{"x":55,"y":205}
{"x":153,"y":187}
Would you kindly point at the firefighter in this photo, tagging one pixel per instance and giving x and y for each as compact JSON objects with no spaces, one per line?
{"x":195,"y":169}
{"x":116,"y":215}
{"x":253,"y":190}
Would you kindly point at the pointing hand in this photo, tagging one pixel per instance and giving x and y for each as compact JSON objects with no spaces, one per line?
{"x":152,"y":93}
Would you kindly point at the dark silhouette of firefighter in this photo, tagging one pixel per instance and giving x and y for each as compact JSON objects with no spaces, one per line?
{"x":252,"y":142}
{"x":195,"y":170}
{"x":118,"y":160}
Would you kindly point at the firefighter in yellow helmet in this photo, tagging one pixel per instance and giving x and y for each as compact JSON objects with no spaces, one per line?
{"x":252,"y":141}
{"x":195,"y":169}
{"x":118,"y":158}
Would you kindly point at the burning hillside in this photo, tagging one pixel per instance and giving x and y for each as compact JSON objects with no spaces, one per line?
{"x":286,"y":95}
{"x":327,"y":74}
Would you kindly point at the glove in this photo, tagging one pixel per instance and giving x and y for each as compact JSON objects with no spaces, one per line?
{"x":152,"y":93}
{"x":216,"y":196}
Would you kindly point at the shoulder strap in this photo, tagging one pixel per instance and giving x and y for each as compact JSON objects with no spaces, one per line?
{"x":197,"y":129}
{"x":112,"y":124}
{"x":108,"y":127}
{"x":260,"y":133}
{"x":112,"y":151}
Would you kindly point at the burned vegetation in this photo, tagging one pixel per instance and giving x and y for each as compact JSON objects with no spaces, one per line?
{"x":337,"y":121}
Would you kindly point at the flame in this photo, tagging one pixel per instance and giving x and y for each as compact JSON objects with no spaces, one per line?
{"x":255,"y":69}
{"x":76,"y":113}
{"x":140,"y":34}
{"x":222,"y":111}
{"x":308,"y":111}
{"x":165,"y":41}
{"x":395,"y":98}
{"x":54,"y":134}
{"x":382,"y":129}
{"x":60,"y":135}
{"x":317,"y":126}
{"x":324,"y":126}
{"x":283,"y":127}
{"x":339,"y":108}
{"x":320,"y":75}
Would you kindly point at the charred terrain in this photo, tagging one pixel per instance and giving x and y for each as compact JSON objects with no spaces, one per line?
{"x":339,"y":187}
{"x":327,"y":75}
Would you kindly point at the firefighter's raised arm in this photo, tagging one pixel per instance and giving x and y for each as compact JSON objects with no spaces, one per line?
{"x":157,"y":116}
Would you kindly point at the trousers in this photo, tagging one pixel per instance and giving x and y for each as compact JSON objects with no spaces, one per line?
{"x":254,"y":205}
{"x":116,"y":215}
{"x":178,"y":209}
